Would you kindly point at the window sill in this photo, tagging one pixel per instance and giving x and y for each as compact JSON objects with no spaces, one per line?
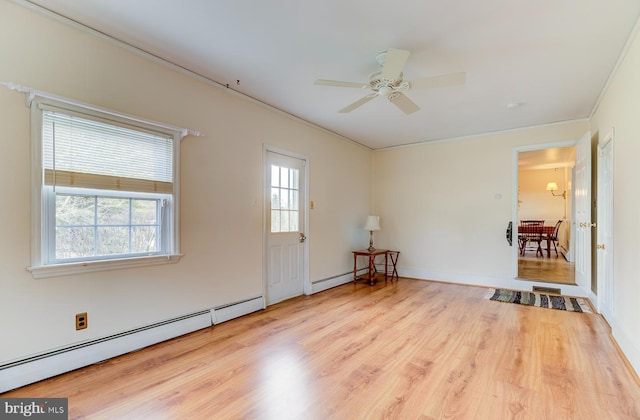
{"x":45,"y":271}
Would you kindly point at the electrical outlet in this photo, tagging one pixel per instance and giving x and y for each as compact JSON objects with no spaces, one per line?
{"x":82,"y":321}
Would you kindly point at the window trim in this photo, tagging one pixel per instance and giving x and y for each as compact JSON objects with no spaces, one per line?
{"x":40,"y":269}
{"x":45,"y":271}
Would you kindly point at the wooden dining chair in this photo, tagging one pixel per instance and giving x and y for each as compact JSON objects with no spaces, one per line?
{"x":554,"y":236}
{"x":530,"y":231}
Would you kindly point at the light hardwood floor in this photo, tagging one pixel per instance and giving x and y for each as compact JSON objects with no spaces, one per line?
{"x":408,"y":350}
{"x":554,"y":269}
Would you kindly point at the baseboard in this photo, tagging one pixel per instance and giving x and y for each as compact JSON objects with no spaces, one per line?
{"x":566,"y":253}
{"x":17,"y":373}
{"x":455,"y":277}
{"x":471,"y":279}
{"x":626,"y":345}
{"x":235,"y":310}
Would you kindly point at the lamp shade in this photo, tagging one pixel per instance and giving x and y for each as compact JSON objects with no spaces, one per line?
{"x":552,"y":186}
{"x":373,"y":223}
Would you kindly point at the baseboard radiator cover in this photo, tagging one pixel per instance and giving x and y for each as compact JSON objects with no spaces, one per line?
{"x":333,"y":281}
{"x":35,"y":368}
{"x":237,"y":309}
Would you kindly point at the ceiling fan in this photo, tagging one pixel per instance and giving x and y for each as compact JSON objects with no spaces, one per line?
{"x":388,"y":82}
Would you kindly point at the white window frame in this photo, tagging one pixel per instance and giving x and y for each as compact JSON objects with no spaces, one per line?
{"x":49,"y":225}
{"x":41,"y":218}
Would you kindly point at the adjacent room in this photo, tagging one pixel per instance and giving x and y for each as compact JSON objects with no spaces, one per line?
{"x":545,"y":195}
{"x":191,"y":189}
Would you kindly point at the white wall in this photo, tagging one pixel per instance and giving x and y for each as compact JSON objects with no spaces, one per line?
{"x":538,"y":203}
{"x":438,"y":204}
{"x":221,"y":187}
{"x":619,"y":108}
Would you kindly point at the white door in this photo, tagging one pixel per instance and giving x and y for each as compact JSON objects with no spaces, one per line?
{"x":605,"y":227}
{"x":285,"y":237}
{"x":583,"y":226}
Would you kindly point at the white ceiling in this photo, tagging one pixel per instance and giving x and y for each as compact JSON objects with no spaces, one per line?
{"x":553,"y":57}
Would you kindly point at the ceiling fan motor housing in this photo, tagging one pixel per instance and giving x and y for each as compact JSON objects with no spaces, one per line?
{"x":385,"y":86}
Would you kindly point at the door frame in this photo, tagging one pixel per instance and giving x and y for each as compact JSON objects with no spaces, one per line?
{"x":514,"y":192}
{"x":306,"y":284}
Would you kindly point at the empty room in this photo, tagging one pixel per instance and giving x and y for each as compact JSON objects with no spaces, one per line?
{"x":319,"y":210}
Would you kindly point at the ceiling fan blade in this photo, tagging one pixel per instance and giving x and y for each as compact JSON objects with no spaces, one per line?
{"x":405,"y":104}
{"x":452,"y":79}
{"x":357,"y":104}
{"x":394,"y":63}
{"x":337,"y":83}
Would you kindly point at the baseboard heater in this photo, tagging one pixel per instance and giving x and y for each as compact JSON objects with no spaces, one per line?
{"x":35,"y":368}
{"x":333,"y":281}
{"x":237,"y":309}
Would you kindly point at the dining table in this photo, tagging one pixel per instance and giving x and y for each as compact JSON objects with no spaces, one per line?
{"x":547,"y":233}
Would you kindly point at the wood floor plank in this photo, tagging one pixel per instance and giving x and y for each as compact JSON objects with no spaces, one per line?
{"x":411,"y":349}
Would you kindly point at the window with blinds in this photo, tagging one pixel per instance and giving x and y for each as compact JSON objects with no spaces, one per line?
{"x":107,"y":187}
{"x":84,"y":153}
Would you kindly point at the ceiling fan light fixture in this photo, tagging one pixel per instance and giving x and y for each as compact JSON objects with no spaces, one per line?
{"x":388,"y":82}
{"x":385,"y":91}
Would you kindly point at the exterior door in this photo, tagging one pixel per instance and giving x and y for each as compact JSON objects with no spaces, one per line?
{"x":582,"y":202}
{"x":605,"y":228}
{"x":285,"y":235}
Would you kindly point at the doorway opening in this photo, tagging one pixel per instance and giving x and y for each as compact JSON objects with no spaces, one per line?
{"x":545,"y":193}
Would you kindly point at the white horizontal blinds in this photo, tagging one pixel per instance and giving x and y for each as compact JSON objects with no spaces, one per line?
{"x":86,"y":153}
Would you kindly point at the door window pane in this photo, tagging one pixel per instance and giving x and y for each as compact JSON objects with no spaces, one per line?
{"x":275,"y":176}
{"x":284,"y":177}
{"x":275,"y":198}
{"x":275,"y":221}
{"x":285,"y":199}
{"x":293,"y":221}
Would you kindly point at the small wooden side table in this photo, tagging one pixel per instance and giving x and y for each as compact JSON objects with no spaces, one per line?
{"x":372,"y":269}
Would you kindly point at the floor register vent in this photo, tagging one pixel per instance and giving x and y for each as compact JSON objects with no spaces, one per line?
{"x":552,"y":290}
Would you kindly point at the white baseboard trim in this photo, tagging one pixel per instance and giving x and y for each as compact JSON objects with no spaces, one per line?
{"x":21,"y":372}
{"x":471,"y":279}
{"x":630,"y":350}
{"x":235,"y":310}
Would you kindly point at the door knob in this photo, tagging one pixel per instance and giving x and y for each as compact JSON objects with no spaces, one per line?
{"x":302,"y":237}
{"x":600,"y":246}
